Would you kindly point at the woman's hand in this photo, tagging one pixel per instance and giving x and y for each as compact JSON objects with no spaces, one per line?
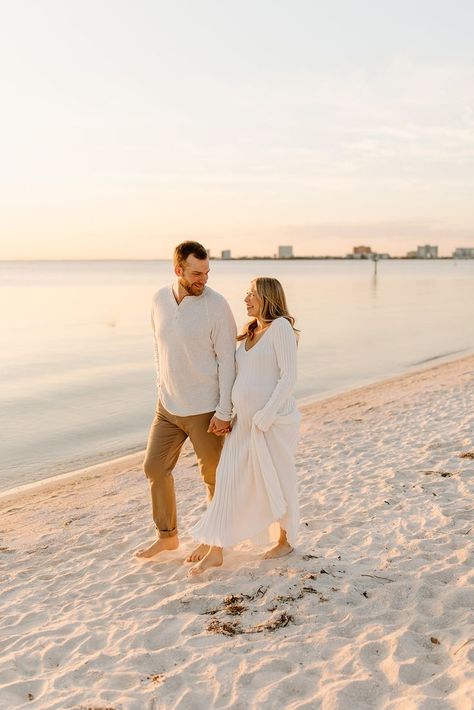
{"x":219,"y":427}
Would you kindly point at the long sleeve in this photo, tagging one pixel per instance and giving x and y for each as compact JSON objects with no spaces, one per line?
{"x":284,"y":343}
{"x":224,"y":336}
{"x":155,"y":351}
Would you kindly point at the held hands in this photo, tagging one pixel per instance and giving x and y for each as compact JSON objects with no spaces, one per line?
{"x":219,"y":427}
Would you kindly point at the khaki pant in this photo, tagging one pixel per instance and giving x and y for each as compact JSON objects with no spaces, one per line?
{"x":167,"y":435}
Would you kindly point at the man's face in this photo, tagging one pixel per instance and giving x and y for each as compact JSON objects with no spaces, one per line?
{"x":193,"y":275}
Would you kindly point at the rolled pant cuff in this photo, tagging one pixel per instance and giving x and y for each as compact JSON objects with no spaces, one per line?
{"x":167,"y":533}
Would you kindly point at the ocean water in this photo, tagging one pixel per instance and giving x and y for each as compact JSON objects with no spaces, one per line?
{"x":76,"y":362}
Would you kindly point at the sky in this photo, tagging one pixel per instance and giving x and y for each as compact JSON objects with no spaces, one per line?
{"x":127,"y":127}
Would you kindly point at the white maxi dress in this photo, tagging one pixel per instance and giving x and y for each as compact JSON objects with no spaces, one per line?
{"x":256,"y":485}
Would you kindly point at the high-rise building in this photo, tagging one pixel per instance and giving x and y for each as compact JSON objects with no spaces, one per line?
{"x":427,"y":252}
{"x":285,"y":252}
{"x":463,"y":253}
{"x":226,"y":254}
{"x":362,"y":250}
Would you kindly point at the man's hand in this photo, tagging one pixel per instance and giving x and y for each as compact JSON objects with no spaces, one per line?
{"x":219,"y":427}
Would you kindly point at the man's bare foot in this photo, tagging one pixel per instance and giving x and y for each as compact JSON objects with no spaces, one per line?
{"x":214,"y":558}
{"x":280,"y":550}
{"x":160,"y":545}
{"x":198,"y":553}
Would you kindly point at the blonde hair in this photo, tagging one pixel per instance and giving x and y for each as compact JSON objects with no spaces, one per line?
{"x":272,"y":295}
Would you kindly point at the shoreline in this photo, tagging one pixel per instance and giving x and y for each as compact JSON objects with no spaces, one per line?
{"x":304,"y":404}
{"x":373,"y":609}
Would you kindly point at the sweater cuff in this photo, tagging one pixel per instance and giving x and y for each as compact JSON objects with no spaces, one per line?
{"x":263,"y":420}
{"x":223,"y":414}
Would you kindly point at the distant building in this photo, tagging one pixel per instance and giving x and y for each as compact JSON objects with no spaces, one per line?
{"x":427,"y":252}
{"x":463,"y":253}
{"x":411,"y":255}
{"x":285,"y":252}
{"x":361,"y":253}
{"x":226,"y":254}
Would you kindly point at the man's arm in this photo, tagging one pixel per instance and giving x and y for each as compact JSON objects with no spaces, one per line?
{"x":155,"y":349}
{"x":224,"y":336}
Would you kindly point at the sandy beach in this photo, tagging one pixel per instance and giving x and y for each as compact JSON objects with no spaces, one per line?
{"x":374,"y":608}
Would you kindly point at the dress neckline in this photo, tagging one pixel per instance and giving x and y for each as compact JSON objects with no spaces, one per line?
{"x":260,"y":338}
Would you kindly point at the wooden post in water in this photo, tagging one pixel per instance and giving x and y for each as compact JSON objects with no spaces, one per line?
{"x":375,"y":258}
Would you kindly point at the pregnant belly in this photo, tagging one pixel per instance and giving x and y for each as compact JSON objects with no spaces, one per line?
{"x":249,"y":397}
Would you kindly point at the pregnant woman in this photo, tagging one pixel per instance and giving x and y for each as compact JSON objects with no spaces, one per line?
{"x":256,"y":494}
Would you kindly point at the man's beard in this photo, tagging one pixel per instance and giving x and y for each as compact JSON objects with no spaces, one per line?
{"x":191,"y":289}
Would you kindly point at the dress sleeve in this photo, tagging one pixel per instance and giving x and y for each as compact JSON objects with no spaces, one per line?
{"x":224,"y":336}
{"x":284,"y":344}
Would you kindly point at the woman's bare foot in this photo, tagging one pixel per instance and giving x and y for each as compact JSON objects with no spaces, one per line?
{"x":280,"y":550}
{"x":197,"y":554}
{"x":160,"y":545}
{"x":214,"y":558}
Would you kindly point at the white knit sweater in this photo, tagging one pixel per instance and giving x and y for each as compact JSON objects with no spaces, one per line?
{"x":194,"y":352}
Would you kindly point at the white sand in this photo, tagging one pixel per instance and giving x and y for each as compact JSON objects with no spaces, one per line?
{"x":387,"y":512}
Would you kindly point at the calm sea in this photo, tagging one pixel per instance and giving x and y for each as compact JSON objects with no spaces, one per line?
{"x":76,"y":362}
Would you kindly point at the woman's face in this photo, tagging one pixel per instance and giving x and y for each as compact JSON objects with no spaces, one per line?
{"x":253,"y":302}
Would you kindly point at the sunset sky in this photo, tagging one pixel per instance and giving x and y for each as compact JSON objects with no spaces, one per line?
{"x":128,"y":126}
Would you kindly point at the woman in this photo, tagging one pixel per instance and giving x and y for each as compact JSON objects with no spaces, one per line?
{"x":256,"y":478}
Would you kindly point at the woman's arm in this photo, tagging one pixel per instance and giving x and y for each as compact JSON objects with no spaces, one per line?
{"x":284,"y":343}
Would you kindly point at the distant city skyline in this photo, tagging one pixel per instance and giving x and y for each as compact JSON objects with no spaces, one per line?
{"x":127,"y":128}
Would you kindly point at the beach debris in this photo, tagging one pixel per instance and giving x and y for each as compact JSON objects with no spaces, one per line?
{"x":434,"y":640}
{"x":310,"y":557}
{"x":234,"y":627}
{"x":232,"y":603}
{"x":443,"y":474}
{"x":228,"y":628}
{"x":31,"y":696}
{"x":463,"y":645}
{"x":289,"y":597}
{"x":156,"y":678}
{"x":365,"y":594}
{"x":375,"y":576}
{"x":279,"y":622}
{"x":6,"y":550}
{"x":467,"y":455}
{"x":236,"y":598}
{"x":236,"y":609}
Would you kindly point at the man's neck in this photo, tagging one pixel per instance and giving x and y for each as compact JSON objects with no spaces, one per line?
{"x":180,"y":292}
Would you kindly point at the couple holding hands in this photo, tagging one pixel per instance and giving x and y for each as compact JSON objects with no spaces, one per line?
{"x":235,"y":405}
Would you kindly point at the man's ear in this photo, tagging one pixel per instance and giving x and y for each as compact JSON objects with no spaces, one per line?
{"x":178,"y":270}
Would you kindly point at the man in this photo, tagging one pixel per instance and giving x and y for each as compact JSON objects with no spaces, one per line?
{"x":194,"y":337}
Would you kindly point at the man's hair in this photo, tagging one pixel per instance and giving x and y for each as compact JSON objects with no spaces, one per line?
{"x":185,"y":249}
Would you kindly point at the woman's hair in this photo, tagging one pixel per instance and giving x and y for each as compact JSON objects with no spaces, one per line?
{"x":274,"y":305}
